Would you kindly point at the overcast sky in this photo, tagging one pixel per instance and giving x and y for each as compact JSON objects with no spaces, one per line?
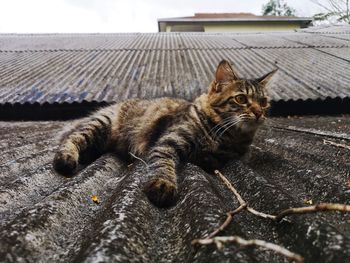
{"x":58,"y":16}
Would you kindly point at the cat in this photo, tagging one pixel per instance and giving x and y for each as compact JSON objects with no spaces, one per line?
{"x":215,"y":127}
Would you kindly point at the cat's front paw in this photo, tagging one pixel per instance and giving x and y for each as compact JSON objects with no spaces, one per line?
{"x":65,"y":163}
{"x":161,"y":192}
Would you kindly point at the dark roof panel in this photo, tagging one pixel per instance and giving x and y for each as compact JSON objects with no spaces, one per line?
{"x":47,"y":217}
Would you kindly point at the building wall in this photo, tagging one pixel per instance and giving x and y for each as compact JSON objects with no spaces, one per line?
{"x":251,"y":27}
{"x":242,"y":27}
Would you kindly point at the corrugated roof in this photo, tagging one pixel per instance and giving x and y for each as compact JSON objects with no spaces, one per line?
{"x":53,"y":42}
{"x":333,"y":29}
{"x":70,"y":68}
{"x":45,"y":217}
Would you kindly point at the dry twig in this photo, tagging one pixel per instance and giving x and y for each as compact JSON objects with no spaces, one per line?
{"x":313,"y":209}
{"x":227,"y":221}
{"x":289,"y":211}
{"x":230,"y":186}
{"x":240,"y":199}
{"x":336,"y":144}
{"x":219,"y":241}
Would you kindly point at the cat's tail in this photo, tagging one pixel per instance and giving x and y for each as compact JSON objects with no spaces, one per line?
{"x":85,"y":142}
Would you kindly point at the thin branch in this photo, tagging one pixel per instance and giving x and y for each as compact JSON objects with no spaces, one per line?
{"x":313,"y":209}
{"x":227,"y":221}
{"x":230,"y":186}
{"x":289,"y":211}
{"x":261,"y":214}
{"x":322,"y":5}
{"x":335,"y":6}
{"x":336,"y":144}
{"x":339,"y":8}
{"x":219,"y":241}
{"x":240,"y":199}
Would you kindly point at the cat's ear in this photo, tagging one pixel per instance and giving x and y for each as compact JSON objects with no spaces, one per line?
{"x":224,"y":72}
{"x":266,"y":78}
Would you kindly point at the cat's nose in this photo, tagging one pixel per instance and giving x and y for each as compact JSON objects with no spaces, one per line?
{"x":256,"y":110}
{"x":257,"y":115}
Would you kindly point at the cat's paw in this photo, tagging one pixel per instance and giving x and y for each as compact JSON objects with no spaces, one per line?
{"x":65,"y":163}
{"x":161,"y":192}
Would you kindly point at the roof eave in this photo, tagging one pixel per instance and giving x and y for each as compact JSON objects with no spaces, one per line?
{"x":299,"y":19}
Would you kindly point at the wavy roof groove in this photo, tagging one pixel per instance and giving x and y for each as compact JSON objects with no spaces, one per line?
{"x":47,"y":217}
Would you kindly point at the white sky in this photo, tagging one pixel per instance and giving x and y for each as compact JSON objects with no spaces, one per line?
{"x":82,"y":16}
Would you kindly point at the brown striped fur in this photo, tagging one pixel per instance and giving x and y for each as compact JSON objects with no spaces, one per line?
{"x":215,"y":127}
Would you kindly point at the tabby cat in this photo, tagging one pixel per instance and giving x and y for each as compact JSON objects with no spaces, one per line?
{"x":215,"y":127}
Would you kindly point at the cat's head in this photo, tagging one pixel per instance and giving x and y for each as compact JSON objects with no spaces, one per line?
{"x":239,"y":103}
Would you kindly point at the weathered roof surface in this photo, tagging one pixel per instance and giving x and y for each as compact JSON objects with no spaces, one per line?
{"x":339,"y":29}
{"x":45,"y":217}
{"x":66,"y":68}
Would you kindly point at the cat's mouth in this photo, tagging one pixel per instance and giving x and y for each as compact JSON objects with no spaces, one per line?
{"x":251,"y":123}
{"x":260,"y":120}
{"x":253,"y":119}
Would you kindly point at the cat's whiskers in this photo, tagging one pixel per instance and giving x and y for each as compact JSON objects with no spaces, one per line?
{"x":231,"y":120}
{"x":229,"y":127}
{"x":218,"y":126}
{"x":236,"y":119}
{"x":224,"y":121}
{"x":245,"y":116}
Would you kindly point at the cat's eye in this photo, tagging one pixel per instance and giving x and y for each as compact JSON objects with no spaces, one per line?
{"x":241,"y":99}
{"x":263,"y":102}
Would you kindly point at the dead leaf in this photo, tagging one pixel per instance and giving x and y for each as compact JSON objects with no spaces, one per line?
{"x":95,"y":199}
{"x":308,"y":202}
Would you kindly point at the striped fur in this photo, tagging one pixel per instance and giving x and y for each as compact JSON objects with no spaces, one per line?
{"x":164,"y":132}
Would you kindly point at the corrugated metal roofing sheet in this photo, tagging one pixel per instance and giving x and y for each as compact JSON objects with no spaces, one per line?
{"x":338,"y":36}
{"x":110,"y":67}
{"x":334,"y":29}
{"x":321,"y":75}
{"x":209,"y":41}
{"x":45,"y":217}
{"x":343,"y":53}
{"x":271,"y":40}
{"x":40,"y":42}
{"x":317,"y":40}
